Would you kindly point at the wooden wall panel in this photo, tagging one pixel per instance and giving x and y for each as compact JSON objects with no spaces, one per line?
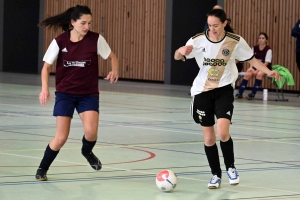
{"x":276,"y":18}
{"x":134,"y":29}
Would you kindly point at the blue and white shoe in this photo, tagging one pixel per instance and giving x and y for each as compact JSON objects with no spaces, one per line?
{"x":233,"y":176}
{"x":215,"y":182}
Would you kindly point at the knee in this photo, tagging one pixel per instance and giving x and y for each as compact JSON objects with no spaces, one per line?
{"x":259,"y":76}
{"x":224,"y":136}
{"x":210,"y":140}
{"x":59,"y":142}
{"x":223,"y":129}
{"x":248,"y":75}
{"x":90,"y":133}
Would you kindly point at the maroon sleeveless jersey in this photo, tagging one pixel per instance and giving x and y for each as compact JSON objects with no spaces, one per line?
{"x":261,"y":54}
{"x":77,"y":65}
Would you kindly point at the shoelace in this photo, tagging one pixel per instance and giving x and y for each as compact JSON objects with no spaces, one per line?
{"x":214,"y":179}
{"x":234,"y":172}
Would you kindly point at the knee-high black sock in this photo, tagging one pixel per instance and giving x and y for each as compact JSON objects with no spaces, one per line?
{"x":87,"y":146}
{"x":228,"y":154}
{"x":213,"y":159}
{"x":48,"y":158}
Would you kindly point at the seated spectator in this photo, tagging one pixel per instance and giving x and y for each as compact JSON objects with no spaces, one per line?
{"x":263,"y":53}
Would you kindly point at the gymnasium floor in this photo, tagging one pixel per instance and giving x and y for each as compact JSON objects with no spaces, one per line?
{"x":144,"y":128}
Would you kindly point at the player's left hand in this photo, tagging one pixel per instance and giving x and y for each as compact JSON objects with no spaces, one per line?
{"x":275,"y":74}
{"x":112,"y":77}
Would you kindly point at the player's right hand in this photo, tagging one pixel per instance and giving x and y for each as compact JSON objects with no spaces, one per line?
{"x":44,"y":97}
{"x":185,"y":50}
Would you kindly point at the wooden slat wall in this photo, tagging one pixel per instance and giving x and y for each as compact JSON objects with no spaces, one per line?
{"x":249,"y":17}
{"x":134,"y":29}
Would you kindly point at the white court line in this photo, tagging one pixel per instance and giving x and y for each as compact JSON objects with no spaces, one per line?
{"x":126,"y":116}
{"x":157,"y":129}
{"x":37,"y":107}
{"x":174,"y":131}
{"x":142,"y":172}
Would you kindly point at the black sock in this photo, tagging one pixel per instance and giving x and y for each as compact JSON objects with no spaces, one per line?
{"x":228,"y":154}
{"x":87,"y":146}
{"x":213,"y":159}
{"x":48,"y":158}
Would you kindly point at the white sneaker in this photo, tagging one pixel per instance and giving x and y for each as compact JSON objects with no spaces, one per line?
{"x":233,"y":176}
{"x":215,"y":182}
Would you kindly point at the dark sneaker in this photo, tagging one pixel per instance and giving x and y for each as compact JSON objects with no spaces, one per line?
{"x":94,"y":161}
{"x":238,"y":96}
{"x":250,"y":96}
{"x":41,"y":174}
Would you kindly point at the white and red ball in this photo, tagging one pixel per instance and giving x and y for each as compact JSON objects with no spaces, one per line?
{"x":166,"y":180}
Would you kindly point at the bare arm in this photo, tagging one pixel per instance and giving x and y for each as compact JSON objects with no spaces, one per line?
{"x":261,"y":67}
{"x":183,"y":51}
{"x":45,"y":94}
{"x":113,"y":74}
{"x":265,"y":63}
{"x":177,"y":55}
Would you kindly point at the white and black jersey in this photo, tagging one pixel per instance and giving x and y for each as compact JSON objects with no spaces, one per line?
{"x":216,"y":60}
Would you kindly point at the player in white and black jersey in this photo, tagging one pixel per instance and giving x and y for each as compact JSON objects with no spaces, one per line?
{"x":215,"y":52}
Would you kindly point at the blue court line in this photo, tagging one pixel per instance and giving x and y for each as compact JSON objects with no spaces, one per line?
{"x":131,"y":177}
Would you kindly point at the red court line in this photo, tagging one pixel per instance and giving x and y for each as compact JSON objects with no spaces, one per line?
{"x":151,"y":155}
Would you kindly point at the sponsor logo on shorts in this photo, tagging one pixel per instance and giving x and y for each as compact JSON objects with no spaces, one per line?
{"x":201,"y":113}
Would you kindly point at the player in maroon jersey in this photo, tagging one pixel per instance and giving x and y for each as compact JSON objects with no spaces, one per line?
{"x":263,"y":53}
{"x":76,"y":51}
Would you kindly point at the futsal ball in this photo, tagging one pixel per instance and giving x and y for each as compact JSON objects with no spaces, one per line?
{"x":166,"y":180}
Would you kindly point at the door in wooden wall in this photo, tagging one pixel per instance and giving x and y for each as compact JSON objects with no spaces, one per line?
{"x":134,"y":29}
{"x":276,"y":18}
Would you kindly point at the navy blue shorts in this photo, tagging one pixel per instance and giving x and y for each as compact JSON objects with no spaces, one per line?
{"x":65,"y":104}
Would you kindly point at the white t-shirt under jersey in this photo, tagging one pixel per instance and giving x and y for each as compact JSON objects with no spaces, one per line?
{"x":216,"y":60}
{"x":268,"y":57}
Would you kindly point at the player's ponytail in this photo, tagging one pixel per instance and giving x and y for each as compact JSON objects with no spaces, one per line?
{"x":219,"y":13}
{"x":63,"y":20}
{"x":228,"y":28}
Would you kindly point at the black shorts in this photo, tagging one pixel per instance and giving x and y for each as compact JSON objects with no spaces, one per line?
{"x":217,"y":102}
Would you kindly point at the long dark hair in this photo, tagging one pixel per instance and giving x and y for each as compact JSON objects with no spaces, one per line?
{"x":63,"y":20}
{"x":219,"y":13}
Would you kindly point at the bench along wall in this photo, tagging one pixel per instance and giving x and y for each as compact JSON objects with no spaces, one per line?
{"x":276,"y":18}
